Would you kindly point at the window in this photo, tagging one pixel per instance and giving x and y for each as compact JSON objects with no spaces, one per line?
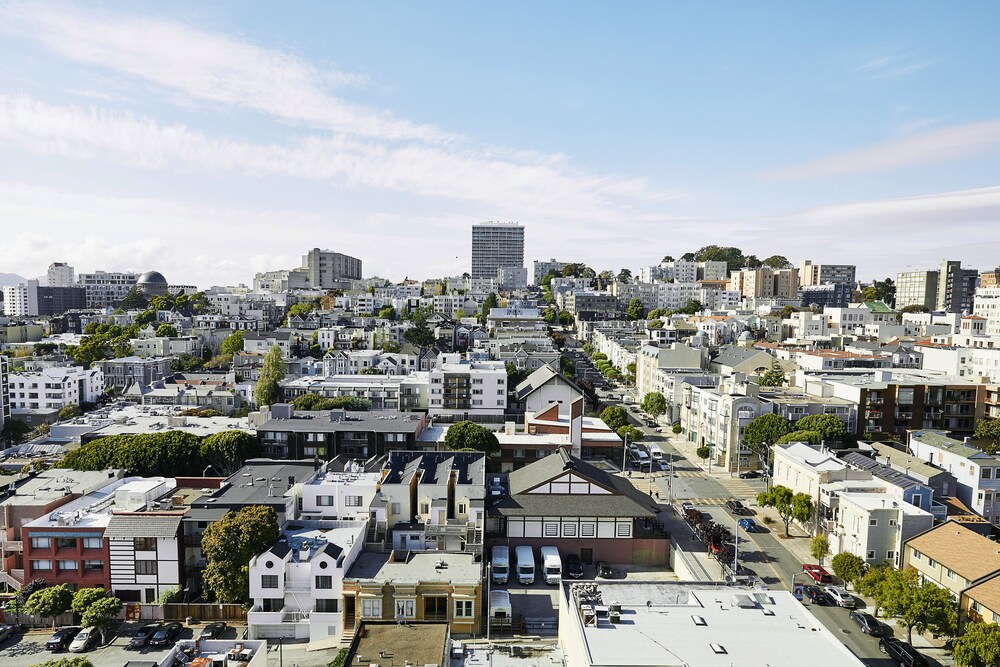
{"x":41,"y":542}
{"x":144,"y":543}
{"x":463,"y":608}
{"x":352,"y":501}
{"x":145,"y":567}
{"x":67,"y":565}
{"x":324,"y":582}
{"x":587,"y":530}
{"x":518,"y":453}
{"x":269,"y":581}
{"x":324,"y":501}
{"x":395,"y":508}
{"x":92,"y":543}
{"x":987,"y":473}
{"x":41,"y":565}
{"x":65,"y":542}
{"x":551,"y":530}
{"x":569,"y":530}
{"x":93,"y":565}
{"x":931,"y":562}
{"x":461,"y":508}
{"x":916,"y":555}
{"x":329,"y":606}
{"x":624,"y":530}
{"x":890,"y":555}
{"x":976,"y":607}
{"x":892,"y":522}
{"x":425,"y":508}
{"x":406,"y":607}
{"x":872,"y":522}
{"x":871,"y":555}
{"x":948,"y":572}
{"x":371,"y":607}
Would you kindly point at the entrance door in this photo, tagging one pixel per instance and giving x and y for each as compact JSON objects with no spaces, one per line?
{"x":587,"y":555}
{"x":436,"y":608}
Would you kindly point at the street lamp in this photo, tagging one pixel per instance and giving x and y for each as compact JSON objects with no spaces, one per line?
{"x":489,"y":580}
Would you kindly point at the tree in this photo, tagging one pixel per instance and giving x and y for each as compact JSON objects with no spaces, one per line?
{"x":692,"y":307}
{"x":885,"y":291}
{"x":78,"y":661}
{"x":920,"y":606}
{"x":134,"y":300}
{"x":677,"y":429}
{"x":819,"y":548}
{"x":733,"y":257}
{"x":102,"y":614}
{"x":630,"y":433}
{"x":635,"y":310}
{"x":230,"y":543}
{"x":50,"y":602}
{"x":84,"y":597}
{"x":870,"y":584}
{"x":470,"y":436}
{"x":615,"y":417}
{"x":14,"y":431}
{"x":787,"y":503}
{"x":227,"y":450}
{"x":491,"y":301}
{"x":271,"y":373}
{"x":654,"y":404}
{"x":812,"y":437}
{"x":70,"y":411}
{"x":232,"y":344}
{"x":703,"y":452}
{"x":387,"y":313}
{"x":914,"y":308}
{"x":625,"y":276}
{"x":802,"y":508}
{"x":870,"y":293}
{"x":979,"y":646}
{"x":166,"y":454}
{"x":989,"y":430}
{"x":773,"y":377}
{"x":29,"y":588}
{"x":764,"y":431}
{"x":777,"y":262}
{"x":166,"y":329}
{"x":830,"y":427}
{"x":566,"y":318}
{"x":420,"y":337}
{"x":849,"y":567}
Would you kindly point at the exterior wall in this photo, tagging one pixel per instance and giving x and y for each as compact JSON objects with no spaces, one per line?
{"x":418,"y":592}
{"x":83,"y":574}
{"x":933,"y":571}
{"x":496,"y":245}
{"x":129,"y":585}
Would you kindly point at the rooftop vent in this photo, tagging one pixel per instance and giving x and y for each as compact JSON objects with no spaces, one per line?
{"x":718,"y":649}
{"x":699,"y":620}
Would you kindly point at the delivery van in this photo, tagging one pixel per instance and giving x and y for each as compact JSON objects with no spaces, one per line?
{"x":525,"y":564}
{"x":551,"y":565}
{"x":500,"y":564}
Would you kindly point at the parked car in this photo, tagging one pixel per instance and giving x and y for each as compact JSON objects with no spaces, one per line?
{"x":868,"y":623}
{"x":166,"y":635}
{"x":685,"y":506}
{"x":213,"y":630}
{"x":840,"y":596}
{"x":817,"y":573}
{"x":62,"y":638}
{"x":816,"y":595}
{"x":84,"y":640}
{"x":603,"y":569}
{"x":736,"y":507}
{"x":142,"y":636}
{"x":749,"y":525}
{"x":750,"y":474}
{"x":901,"y":652}
{"x":5,"y":632}
{"x":574,"y":568}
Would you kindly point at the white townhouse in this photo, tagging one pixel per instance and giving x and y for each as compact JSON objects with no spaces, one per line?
{"x":977,"y":474}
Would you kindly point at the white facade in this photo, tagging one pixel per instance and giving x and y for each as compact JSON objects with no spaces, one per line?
{"x":106,"y":288}
{"x":987,"y":304}
{"x":715,"y":417}
{"x":61,"y":274}
{"x":464,"y":389}
{"x":873,"y":526}
{"x":339,"y":495}
{"x":977,"y":474}
{"x":21,"y":300}
{"x":496,"y":245}
{"x":145,"y":563}
{"x":55,"y":387}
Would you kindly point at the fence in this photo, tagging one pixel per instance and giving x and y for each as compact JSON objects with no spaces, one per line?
{"x":204,"y":612}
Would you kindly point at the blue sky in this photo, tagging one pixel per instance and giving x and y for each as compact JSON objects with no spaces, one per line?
{"x":211,"y":141}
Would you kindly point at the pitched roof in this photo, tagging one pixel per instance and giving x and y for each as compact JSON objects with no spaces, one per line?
{"x":540,"y":377}
{"x":959,"y":549}
{"x":141,"y":524}
{"x":987,"y":594}
{"x":624,"y":500}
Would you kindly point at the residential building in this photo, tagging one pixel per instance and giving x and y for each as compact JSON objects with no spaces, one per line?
{"x":956,"y":287}
{"x":55,"y":387}
{"x":21,"y":300}
{"x":459,"y":389}
{"x":123,"y":372}
{"x":951,"y":557}
{"x":261,"y":343}
{"x":340,"y":490}
{"x":5,"y":404}
{"x":826,"y":274}
{"x":826,"y":295}
{"x":609,"y":623}
{"x":146,"y":552}
{"x":31,"y":299}
{"x":874,"y":526}
{"x":715,"y":416}
{"x":296,"y":586}
{"x":980,"y":602}
{"x":496,"y":245}
{"x":60,"y":274}
{"x":765,"y":282}
{"x":106,"y":288}
{"x":320,"y":270}
{"x":511,"y":278}
{"x":987,"y":305}
{"x":189,"y":393}
{"x":977,"y":474}
{"x":579,"y":508}
{"x":940,"y":482}
{"x":587,"y":305}
{"x":653,"y":362}
{"x":386,"y":392}
{"x":794,"y":403}
{"x":544,"y":387}
{"x":804,"y":468}
{"x":588,"y":437}
{"x":286,"y":433}
{"x":684,"y":271}
{"x":541,"y":268}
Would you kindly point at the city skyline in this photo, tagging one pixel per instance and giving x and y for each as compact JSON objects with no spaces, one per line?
{"x":197,"y":141}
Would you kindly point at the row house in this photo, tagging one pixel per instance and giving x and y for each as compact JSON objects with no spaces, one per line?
{"x":123,"y":372}
{"x":261,"y":343}
{"x":208,"y":321}
{"x":352,"y":362}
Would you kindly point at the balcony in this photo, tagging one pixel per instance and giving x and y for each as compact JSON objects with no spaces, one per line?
{"x":15,"y":546}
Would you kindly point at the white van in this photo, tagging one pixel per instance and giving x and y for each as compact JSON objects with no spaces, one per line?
{"x":525,"y":564}
{"x":551,"y":564}
{"x":500,"y":610}
{"x":500,"y":564}
{"x":655,"y":452}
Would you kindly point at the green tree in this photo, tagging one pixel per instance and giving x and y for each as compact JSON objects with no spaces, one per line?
{"x":227,"y":450}
{"x":979,"y":646}
{"x":635,"y":310}
{"x":14,"y":431}
{"x":914,"y":308}
{"x":615,"y":417}
{"x":387,"y":313}
{"x":630,"y":433}
{"x":166,"y":329}
{"x":78,"y":661}
{"x":70,"y":411}
{"x":870,"y":584}
{"x":830,"y":427}
{"x":819,"y":548}
{"x":802,"y":509}
{"x":420,"y":337}
{"x":84,"y":597}
{"x":764,"y":431}
{"x":692,"y":307}
{"x":849,"y":567}
{"x":869,"y":293}
{"x":773,"y":377}
{"x":885,"y":291}
{"x":787,"y":503}
{"x":103,"y":615}
{"x":230,"y":543}
{"x":232,"y":343}
{"x":988,"y":430}
{"x":134,"y":299}
{"x":703,"y":452}
{"x":677,"y":429}
{"x":566,"y":318}
{"x":50,"y":602}
{"x":654,"y":404}
{"x":468,"y":435}
{"x":272,"y":372}
{"x":625,"y":276}
{"x":920,"y":606}
{"x":491,"y":301}
{"x":812,"y":437}
{"x":777,"y":262}
{"x":30,"y":588}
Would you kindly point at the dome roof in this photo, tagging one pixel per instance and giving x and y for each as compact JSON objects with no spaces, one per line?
{"x":152,"y":278}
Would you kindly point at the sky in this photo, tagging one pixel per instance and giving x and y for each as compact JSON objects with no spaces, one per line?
{"x":210,"y":141}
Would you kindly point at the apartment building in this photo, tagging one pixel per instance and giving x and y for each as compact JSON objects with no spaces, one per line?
{"x":320,"y":270}
{"x":765,"y":282}
{"x":950,"y":288}
{"x":977,"y":474}
{"x":123,"y":372}
{"x":874,"y":526}
{"x":684,"y":271}
{"x":105,"y":288}
{"x":55,"y":387}
{"x":60,"y":274}
{"x":496,"y":245}
{"x":652,"y":362}
{"x":987,"y":306}
{"x":826,"y":274}
{"x":541,"y":268}
{"x":952,"y":557}
{"x":459,"y":389}
{"x":715,"y":416}
{"x":386,"y":392}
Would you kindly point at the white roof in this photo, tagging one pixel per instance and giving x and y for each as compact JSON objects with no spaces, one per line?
{"x":810,"y":457}
{"x":882,"y":501}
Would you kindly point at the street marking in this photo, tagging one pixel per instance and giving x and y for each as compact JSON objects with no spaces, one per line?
{"x":769,"y":562}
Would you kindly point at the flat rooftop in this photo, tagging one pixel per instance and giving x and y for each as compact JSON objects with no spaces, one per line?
{"x":407,"y":643}
{"x":418,"y":566}
{"x":691,"y":623}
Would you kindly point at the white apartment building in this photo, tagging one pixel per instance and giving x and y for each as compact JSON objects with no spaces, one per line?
{"x":541,"y":268}
{"x":386,"y":392}
{"x":651,"y":360}
{"x":684,"y":271}
{"x":343,"y":496}
{"x":297,"y":585}
{"x":61,"y":274}
{"x":823,"y":274}
{"x":765,"y":283}
{"x":496,"y":245}
{"x":21,"y":300}
{"x":977,"y":474}
{"x":874,"y":526}
{"x":55,"y":387}
{"x":460,"y":389}
{"x":106,"y":288}
{"x":987,"y":304}
{"x":716,"y":416}
{"x":803,"y":468}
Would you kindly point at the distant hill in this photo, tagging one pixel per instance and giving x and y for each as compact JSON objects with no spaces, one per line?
{"x":11,"y":279}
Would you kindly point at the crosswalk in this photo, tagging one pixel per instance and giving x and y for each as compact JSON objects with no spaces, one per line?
{"x":703,"y":501}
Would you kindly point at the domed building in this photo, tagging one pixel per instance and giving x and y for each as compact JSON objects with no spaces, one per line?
{"x":152,"y":283}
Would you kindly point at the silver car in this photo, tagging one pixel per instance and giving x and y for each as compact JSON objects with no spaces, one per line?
{"x":840,"y":596}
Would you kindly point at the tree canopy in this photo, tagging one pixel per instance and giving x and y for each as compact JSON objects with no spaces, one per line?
{"x":226,"y":451}
{"x":819,"y":548}
{"x":989,"y":431}
{"x":979,"y":646}
{"x":166,"y":454}
{"x":78,"y":661}
{"x":777,"y":262}
{"x":102,"y":614}
{"x":654,"y":404}
{"x":764,"y":431}
{"x":271,"y":373}
{"x":773,"y":377}
{"x":420,"y":337}
{"x":468,"y":435}
{"x":310,"y":402}
{"x":849,"y":567}
{"x":636,"y":310}
{"x":812,"y":437}
{"x":232,"y":343}
{"x":919,"y":606}
{"x":230,"y":543}
{"x":50,"y":602}
{"x":615,"y":416}
{"x":787,"y":503}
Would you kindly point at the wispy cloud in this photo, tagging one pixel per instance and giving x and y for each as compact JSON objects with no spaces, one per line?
{"x":890,"y":66}
{"x":946,"y":144}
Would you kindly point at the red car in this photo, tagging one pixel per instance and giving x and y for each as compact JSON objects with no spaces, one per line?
{"x":820,"y":575}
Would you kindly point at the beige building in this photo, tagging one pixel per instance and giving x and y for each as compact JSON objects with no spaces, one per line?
{"x":765,"y":282}
{"x":952,"y":557}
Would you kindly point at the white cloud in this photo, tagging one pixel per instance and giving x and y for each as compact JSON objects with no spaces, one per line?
{"x":893,"y":65}
{"x":950,"y":143}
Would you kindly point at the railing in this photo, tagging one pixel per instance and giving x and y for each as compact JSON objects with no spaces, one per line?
{"x":12,"y":545}
{"x":294,"y":616}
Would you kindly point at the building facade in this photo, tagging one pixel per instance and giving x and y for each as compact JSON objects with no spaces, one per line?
{"x":496,"y":245}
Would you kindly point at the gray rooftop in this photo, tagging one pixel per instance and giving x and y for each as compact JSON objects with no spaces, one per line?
{"x":143,"y":524}
{"x":259,"y":482}
{"x":957,"y":447}
{"x":332,"y":421}
{"x":427,"y":566}
{"x":435,"y":467}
